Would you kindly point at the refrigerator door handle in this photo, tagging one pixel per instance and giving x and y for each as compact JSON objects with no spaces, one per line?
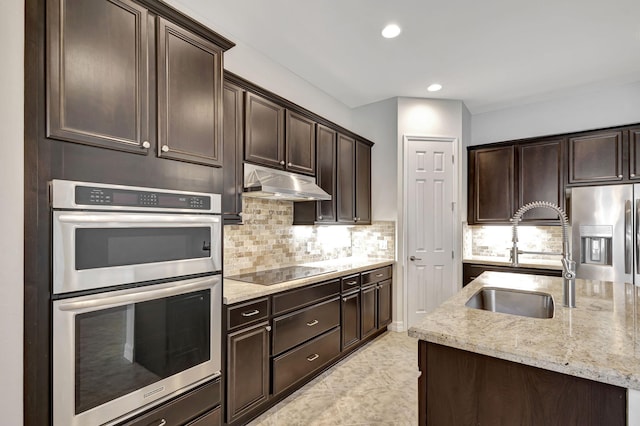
{"x":628,"y":248}
{"x":637,"y":256}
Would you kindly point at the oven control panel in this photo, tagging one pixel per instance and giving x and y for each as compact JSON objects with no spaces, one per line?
{"x":97,"y":196}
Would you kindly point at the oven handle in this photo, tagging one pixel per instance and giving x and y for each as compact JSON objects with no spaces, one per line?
{"x":126,"y":297}
{"x":137,"y":218}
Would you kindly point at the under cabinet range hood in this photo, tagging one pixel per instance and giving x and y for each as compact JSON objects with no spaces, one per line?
{"x":263,"y":182}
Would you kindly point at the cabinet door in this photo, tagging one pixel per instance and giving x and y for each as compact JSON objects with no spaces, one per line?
{"x":264,"y":131}
{"x":326,"y":172}
{"x":232,"y":142}
{"x":345,"y":203}
{"x":634,"y":154}
{"x":368,"y":312}
{"x":540,"y":172}
{"x":300,"y":143}
{"x":363,"y":183}
{"x":350,"y":319}
{"x":596,"y":157}
{"x":247,"y":370}
{"x":189,"y":96}
{"x":384,"y":303}
{"x":98,"y":82}
{"x":491,"y":188}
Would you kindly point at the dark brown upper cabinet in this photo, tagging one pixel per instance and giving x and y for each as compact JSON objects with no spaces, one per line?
{"x":300,"y":144}
{"x":634,"y":154}
{"x":363,"y":182}
{"x":98,"y":83}
{"x":540,"y":177}
{"x":326,"y":172}
{"x":264,"y":132}
{"x":233,"y":107}
{"x":353,"y":198}
{"x":346,"y":191}
{"x":189,"y":96}
{"x":491,"y":184}
{"x":110,"y":64}
{"x":596,"y":157}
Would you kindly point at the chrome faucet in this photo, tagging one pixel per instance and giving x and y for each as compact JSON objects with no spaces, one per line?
{"x":568,"y":265}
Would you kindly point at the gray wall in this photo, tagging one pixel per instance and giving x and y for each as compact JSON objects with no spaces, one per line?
{"x":11,"y":214}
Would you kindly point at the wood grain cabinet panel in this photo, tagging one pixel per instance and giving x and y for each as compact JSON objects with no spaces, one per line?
{"x":264,"y":132}
{"x":346,"y":191}
{"x":540,"y":177}
{"x":596,"y":157}
{"x":491,"y":186}
{"x":98,"y":74}
{"x":363,"y":183}
{"x":326,"y":172}
{"x":350,"y":326}
{"x":233,"y":128}
{"x":189,"y":96}
{"x":383,"y":297}
{"x":247,"y":369}
{"x":634,"y":154}
{"x":300,"y":144}
{"x":368,"y":320}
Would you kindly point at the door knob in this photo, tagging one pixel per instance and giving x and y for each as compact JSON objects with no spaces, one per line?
{"x":413,"y":258}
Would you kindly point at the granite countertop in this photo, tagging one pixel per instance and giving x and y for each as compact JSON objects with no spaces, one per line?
{"x":598,"y":340}
{"x":524,"y":262}
{"x":238,"y":291}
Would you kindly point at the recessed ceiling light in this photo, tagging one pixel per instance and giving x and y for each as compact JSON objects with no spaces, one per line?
{"x":391,"y":31}
{"x":434,"y":87}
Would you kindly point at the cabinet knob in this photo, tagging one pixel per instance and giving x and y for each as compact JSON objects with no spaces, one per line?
{"x":319,"y":217}
{"x":268,"y":328}
{"x":165,"y":148}
{"x":146,"y":145}
{"x":619,"y":176}
{"x":282,"y":162}
{"x":633,"y":175}
{"x":289,"y":164}
{"x":355,"y":219}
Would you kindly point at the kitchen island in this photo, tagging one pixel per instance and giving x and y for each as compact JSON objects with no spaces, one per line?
{"x":582,"y":362}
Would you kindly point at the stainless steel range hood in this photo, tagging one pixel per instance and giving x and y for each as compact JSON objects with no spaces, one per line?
{"x":262,"y":182}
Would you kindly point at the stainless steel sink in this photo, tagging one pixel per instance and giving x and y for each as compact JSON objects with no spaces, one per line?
{"x":515,"y":302}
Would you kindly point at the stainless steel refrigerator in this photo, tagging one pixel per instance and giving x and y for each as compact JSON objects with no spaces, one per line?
{"x":605,"y":223}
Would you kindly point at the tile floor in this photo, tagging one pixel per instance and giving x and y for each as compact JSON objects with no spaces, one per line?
{"x":376,"y":385}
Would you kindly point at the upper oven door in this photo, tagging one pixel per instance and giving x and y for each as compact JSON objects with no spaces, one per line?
{"x":102,"y":249}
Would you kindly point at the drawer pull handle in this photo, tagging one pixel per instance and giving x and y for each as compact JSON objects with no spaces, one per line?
{"x":250,"y":313}
{"x":352,"y":282}
{"x":313,"y":357}
{"x":162,"y":422}
{"x":379,"y":275}
{"x":312,"y":323}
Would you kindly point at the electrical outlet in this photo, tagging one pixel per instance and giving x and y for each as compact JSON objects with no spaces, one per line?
{"x":382,"y":244}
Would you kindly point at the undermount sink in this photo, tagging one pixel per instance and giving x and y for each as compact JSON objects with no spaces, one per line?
{"x":515,"y":302}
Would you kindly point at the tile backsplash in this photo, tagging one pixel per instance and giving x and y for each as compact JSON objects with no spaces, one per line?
{"x":495,"y":241}
{"x":268,"y":239}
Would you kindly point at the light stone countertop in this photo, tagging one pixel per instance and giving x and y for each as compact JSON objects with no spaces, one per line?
{"x":598,"y":340}
{"x":238,"y":291}
{"x":523,"y":261}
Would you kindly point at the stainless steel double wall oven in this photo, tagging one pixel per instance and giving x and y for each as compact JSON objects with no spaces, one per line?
{"x":137,"y":298}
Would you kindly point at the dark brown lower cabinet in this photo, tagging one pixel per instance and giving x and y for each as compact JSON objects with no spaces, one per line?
{"x":457,"y":387}
{"x":368,"y":310}
{"x":212,"y":418}
{"x":248,"y":369}
{"x":383,"y":297}
{"x":350,"y":319}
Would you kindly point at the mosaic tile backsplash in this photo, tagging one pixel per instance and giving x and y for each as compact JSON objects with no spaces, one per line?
{"x":268,"y":239}
{"x":495,"y":241}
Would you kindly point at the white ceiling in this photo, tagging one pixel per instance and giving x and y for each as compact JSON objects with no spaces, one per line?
{"x":489,"y":53}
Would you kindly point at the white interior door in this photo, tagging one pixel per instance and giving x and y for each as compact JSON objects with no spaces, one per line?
{"x":430,"y":215}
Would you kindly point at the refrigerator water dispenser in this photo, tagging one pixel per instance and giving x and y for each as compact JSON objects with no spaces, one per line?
{"x":595,"y":244}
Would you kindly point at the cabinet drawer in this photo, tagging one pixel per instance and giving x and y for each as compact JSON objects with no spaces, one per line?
{"x":248,"y":312}
{"x":182,"y":409}
{"x":376,"y":275}
{"x":293,"y":329}
{"x":212,"y":418}
{"x":300,"y":362}
{"x":304,"y":296}
{"x":351,"y":282}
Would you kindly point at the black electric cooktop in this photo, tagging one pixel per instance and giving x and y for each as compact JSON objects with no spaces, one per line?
{"x":275,"y":276}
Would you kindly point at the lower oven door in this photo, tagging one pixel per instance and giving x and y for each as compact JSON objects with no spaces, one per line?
{"x":118,"y":353}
